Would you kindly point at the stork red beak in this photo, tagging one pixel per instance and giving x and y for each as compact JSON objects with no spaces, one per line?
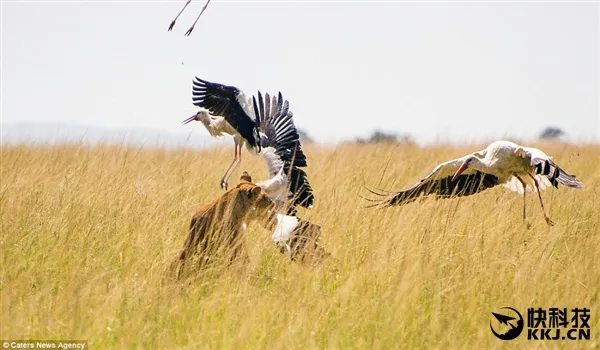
{"x":460,"y":170}
{"x":192,"y":118}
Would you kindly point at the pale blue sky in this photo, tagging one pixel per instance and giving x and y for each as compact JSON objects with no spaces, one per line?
{"x":439,"y":71}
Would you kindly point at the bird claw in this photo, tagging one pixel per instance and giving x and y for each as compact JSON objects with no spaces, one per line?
{"x":171,"y":25}
{"x":224,"y":185}
{"x":549,"y":221}
{"x":189,"y":31}
{"x":528,"y":225}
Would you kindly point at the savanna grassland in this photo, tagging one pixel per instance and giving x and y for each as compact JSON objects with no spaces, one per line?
{"x":88,"y":232}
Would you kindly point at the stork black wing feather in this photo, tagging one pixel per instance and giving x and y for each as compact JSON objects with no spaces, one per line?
{"x":222,"y":100}
{"x":267,"y":114}
{"x":255,"y":108}
{"x":261,"y":110}
{"x":464,"y":185}
{"x":302,"y":192}
{"x":273,"y":106}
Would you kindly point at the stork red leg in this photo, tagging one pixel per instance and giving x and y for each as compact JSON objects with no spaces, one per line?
{"x":537,"y":187}
{"x":179,"y":14}
{"x":236,"y":161}
{"x":197,"y":18}
{"x":524,"y":200}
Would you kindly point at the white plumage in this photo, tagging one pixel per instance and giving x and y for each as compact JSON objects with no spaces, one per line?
{"x":294,"y":236}
{"x":216,"y":126}
{"x":286,"y":224}
{"x":277,"y":187}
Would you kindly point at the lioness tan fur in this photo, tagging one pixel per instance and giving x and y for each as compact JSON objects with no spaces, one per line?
{"x":217,"y":229}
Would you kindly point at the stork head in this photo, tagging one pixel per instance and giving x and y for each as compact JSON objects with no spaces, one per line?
{"x":201,"y":114}
{"x":469,"y":162}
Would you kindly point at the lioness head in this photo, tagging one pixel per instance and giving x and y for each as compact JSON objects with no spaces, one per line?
{"x":262,"y":207}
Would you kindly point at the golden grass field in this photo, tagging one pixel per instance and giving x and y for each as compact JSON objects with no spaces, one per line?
{"x":87,"y":233}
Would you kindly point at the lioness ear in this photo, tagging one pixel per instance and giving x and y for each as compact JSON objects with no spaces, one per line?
{"x":254,"y":192}
{"x":245,"y":177}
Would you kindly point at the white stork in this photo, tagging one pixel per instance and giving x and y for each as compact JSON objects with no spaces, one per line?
{"x":518,"y":168}
{"x":189,"y":31}
{"x":267,"y":126}
{"x":236,"y":110}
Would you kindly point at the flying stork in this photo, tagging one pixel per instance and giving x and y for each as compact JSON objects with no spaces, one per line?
{"x":236,"y":111}
{"x":518,"y":168}
{"x":189,"y":31}
{"x":266,"y":126}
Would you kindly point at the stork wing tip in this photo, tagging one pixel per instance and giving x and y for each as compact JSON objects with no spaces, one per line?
{"x":380,"y":202}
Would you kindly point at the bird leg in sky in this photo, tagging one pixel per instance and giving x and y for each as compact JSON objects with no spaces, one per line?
{"x":524,"y":200}
{"x":537,"y":187}
{"x":197,"y":18}
{"x":179,"y":14}
{"x":236,"y":161}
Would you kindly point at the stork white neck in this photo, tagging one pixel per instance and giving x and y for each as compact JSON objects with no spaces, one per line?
{"x":473,"y":162}
{"x":203,"y":117}
{"x":481,"y":164}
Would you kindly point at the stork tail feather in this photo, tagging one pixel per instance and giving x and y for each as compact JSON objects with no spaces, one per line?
{"x":557,"y":175}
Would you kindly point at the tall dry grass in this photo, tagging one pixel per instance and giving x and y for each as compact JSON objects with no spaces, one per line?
{"x":88,"y":232}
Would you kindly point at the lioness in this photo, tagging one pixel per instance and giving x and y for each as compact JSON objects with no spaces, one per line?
{"x":217,"y":228}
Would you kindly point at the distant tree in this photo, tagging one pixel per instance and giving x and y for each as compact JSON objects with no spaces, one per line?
{"x":304,"y":137}
{"x":379,"y":136}
{"x":551,"y":133}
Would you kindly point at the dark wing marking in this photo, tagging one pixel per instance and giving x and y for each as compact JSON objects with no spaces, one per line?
{"x":556,"y":175}
{"x":222,"y":100}
{"x":277,"y":124}
{"x":261,"y":109}
{"x":255,"y":110}
{"x":464,"y":185}
{"x":302,"y":192}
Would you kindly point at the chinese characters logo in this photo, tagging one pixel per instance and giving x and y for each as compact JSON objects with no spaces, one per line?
{"x":542,"y":324}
